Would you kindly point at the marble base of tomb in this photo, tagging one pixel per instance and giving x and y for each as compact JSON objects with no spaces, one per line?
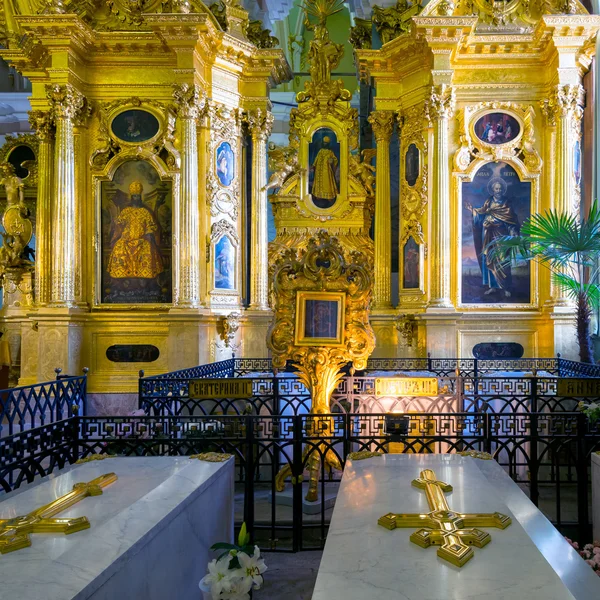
{"x":529,"y":559}
{"x":150,"y":532}
{"x":286,"y":498}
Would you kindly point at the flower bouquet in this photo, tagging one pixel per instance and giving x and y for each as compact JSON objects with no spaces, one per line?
{"x":591,"y":411}
{"x":236,"y":572}
{"x":590,"y":553}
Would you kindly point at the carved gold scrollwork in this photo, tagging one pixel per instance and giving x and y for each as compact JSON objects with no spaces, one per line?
{"x":324,"y":266}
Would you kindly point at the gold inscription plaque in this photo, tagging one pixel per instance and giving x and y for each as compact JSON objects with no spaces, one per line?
{"x":406,"y":386}
{"x":207,"y":389}
{"x":578,"y":387}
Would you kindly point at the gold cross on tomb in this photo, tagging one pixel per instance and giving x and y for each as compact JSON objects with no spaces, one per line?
{"x":14,"y":533}
{"x":453,"y":532}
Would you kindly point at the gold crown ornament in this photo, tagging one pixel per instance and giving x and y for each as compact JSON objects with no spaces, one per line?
{"x":136,"y":187}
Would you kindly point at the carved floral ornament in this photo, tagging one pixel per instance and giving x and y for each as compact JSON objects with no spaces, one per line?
{"x":221,"y":228}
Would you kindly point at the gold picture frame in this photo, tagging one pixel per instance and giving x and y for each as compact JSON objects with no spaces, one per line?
{"x":320,"y":318}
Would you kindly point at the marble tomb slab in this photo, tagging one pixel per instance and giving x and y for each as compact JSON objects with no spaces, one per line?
{"x":528,"y":560}
{"x":149,"y":538}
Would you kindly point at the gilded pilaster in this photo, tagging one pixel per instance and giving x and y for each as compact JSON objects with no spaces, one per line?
{"x":42,"y":123}
{"x":439,"y":108}
{"x":568,"y":100}
{"x":260,"y":122}
{"x":187,"y":284}
{"x":382,"y":123}
{"x":66,"y":102}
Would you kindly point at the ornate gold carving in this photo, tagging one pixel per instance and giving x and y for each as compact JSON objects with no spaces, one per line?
{"x":406,"y":326}
{"x":221,"y":228}
{"x":382,"y":123}
{"x":215,"y":457}
{"x":283,"y":163}
{"x":453,"y":532}
{"x":324,"y":55}
{"x":363,"y":455}
{"x":14,"y":532}
{"x":440,"y":103}
{"x":360,"y":34}
{"x":66,"y":101}
{"x":323,"y":266}
{"x":393,"y":21}
{"x":188,"y":99}
{"x":476,"y":454}
{"x":363,"y":170}
{"x":94,"y":457}
{"x":229,"y":327}
{"x":259,"y":122}
{"x":260,"y":37}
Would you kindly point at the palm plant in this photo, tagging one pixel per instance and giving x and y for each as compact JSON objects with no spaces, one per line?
{"x":570,"y":248}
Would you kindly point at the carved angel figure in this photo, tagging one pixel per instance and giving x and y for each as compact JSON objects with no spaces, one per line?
{"x":13,"y":186}
{"x":364,"y":170}
{"x":284,"y":163}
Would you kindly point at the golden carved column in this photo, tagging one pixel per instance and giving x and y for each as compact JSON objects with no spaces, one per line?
{"x":382,"y":123}
{"x":569,"y":101}
{"x":440,"y":107}
{"x":260,"y":122}
{"x":41,"y":122}
{"x":66,"y":102}
{"x":187,"y":278}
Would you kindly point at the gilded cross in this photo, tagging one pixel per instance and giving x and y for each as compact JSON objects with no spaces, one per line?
{"x":455,"y":533}
{"x":14,"y":533}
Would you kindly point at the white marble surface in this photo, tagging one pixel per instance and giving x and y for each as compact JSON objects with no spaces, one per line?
{"x":529,"y":560}
{"x":149,"y":537}
{"x":596,"y":495}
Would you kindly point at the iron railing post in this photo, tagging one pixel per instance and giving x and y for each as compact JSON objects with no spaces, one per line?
{"x":297,"y":470}
{"x":249,"y":479}
{"x":534,"y":433}
{"x":582,"y":479}
{"x":140,"y":389}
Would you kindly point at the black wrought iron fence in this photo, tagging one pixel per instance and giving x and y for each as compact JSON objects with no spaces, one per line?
{"x":548,"y":454}
{"x":30,"y":406}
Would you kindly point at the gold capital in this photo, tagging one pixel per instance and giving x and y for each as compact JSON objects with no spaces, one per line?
{"x":66,"y":101}
{"x":440,"y":104}
{"x":41,"y":121}
{"x":382,"y":122}
{"x":260,"y":122}
{"x":189,"y":99}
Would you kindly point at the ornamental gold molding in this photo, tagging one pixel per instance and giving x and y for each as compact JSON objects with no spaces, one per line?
{"x":31,"y":141}
{"x":214,"y":457}
{"x":521,"y":149}
{"x":363,"y":455}
{"x":108,"y":145}
{"x":94,"y":457}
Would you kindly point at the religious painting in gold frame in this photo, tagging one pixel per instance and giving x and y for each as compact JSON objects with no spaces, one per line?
{"x":320,"y":318}
{"x":131,"y":125}
{"x":136,"y":209}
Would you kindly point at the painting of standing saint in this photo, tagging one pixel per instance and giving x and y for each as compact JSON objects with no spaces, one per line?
{"x":324,"y":174}
{"x":495,"y":204}
{"x":136,"y":236}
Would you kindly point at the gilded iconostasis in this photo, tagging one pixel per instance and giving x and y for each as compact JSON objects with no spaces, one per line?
{"x":185,"y":150}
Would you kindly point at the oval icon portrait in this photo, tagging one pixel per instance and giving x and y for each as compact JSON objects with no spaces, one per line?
{"x":135,"y":126}
{"x":497,"y":128}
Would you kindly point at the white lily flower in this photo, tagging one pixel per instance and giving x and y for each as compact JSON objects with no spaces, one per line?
{"x":252,"y":568}
{"x":219,"y":577}
{"x":239,"y":589}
